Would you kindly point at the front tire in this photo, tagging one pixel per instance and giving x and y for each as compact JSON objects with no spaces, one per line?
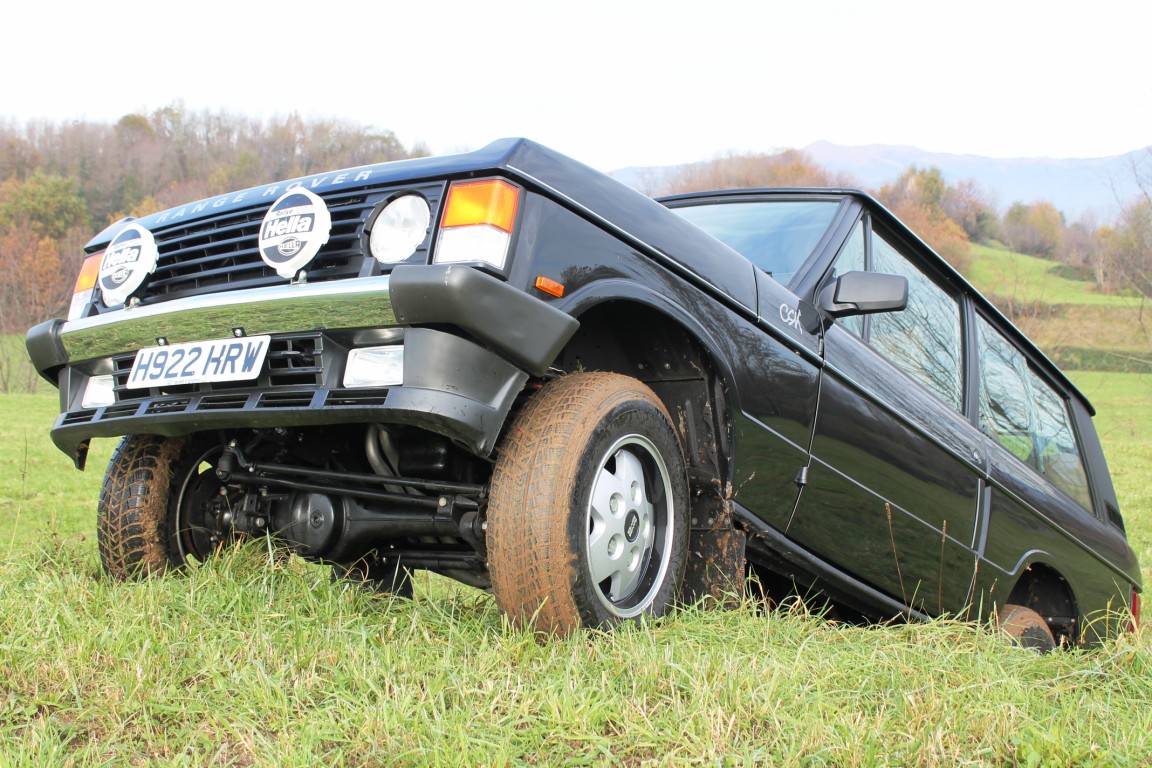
{"x":588,"y":509}
{"x":154,"y":508}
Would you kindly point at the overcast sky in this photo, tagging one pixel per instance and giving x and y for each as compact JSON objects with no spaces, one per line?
{"x":612,"y":83}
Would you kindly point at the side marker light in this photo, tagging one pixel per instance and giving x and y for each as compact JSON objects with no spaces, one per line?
{"x":549,"y":286}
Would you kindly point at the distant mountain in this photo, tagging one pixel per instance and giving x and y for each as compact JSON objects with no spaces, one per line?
{"x":1075,"y":186}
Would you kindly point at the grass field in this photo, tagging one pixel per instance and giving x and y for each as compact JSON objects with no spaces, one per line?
{"x":996,"y":271}
{"x":1076,"y":325}
{"x":258,"y":659}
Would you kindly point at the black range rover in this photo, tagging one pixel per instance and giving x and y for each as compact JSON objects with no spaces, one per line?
{"x":506,"y":367}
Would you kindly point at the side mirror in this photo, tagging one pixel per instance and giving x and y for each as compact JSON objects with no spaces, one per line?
{"x":864,"y":293}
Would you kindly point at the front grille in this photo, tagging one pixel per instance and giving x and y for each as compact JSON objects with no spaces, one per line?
{"x":219,"y":253}
{"x":199,"y":411}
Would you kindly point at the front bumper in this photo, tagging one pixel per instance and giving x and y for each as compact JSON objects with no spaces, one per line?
{"x":461,"y":386}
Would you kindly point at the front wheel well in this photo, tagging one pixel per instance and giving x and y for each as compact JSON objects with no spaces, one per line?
{"x":645,"y":344}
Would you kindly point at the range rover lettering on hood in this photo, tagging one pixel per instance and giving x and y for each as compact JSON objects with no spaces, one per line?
{"x":317,"y":182}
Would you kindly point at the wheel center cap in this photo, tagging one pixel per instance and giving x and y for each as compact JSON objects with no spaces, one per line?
{"x":632,"y":525}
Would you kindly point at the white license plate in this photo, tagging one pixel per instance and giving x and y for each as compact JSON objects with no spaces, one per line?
{"x":199,"y":362}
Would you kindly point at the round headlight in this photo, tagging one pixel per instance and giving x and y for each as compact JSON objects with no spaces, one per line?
{"x":399,"y":229}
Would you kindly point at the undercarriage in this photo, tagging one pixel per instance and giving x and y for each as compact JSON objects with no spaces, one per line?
{"x":366,"y":499}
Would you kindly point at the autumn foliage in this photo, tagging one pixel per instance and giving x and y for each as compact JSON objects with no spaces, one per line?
{"x":60,"y":182}
{"x":790,"y":168}
{"x":43,"y":225}
{"x":920,"y":198}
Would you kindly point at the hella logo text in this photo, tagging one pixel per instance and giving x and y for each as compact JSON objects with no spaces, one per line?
{"x":288,"y":225}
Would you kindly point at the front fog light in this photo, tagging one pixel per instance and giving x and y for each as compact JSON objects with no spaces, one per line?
{"x":98,"y":392}
{"x":375,"y":367}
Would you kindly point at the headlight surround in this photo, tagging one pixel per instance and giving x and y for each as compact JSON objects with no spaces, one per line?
{"x":399,"y":229}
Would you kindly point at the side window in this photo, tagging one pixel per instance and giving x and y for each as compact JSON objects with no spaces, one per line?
{"x":1025,"y":415}
{"x":1005,"y":414}
{"x":925,"y":339}
{"x":1059,"y":455}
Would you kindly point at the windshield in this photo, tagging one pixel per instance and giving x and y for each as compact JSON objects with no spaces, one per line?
{"x":776,"y":236}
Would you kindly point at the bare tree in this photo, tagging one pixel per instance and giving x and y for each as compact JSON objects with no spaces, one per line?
{"x":1127,"y":247}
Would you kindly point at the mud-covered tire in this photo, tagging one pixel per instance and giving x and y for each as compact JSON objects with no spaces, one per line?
{"x":588,"y":511}
{"x":151,"y":515}
{"x":1026,"y":628}
{"x":132,"y":515}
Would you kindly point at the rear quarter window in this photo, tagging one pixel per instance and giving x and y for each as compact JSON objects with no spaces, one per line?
{"x":1023,"y":413}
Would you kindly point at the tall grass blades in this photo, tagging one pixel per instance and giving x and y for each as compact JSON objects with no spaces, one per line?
{"x":255,"y":658}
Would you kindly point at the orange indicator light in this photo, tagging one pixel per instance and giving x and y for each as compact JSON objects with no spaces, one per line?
{"x":86,"y":280}
{"x":549,"y":286}
{"x":491,"y":201}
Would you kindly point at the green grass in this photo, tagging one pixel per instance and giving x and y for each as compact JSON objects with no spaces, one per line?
{"x":16,"y":372}
{"x":998,"y":272}
{"x":40,"y":492}
{"x":251,"y":661}
{"x":1123,"y":403}
{"x":258,"y":659}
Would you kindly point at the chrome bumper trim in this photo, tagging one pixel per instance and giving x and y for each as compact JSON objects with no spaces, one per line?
{"x":354,"y":303}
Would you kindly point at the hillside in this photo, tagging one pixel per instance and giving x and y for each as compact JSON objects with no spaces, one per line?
{"x":1075,"y":186}
{"x":1076,"y":325}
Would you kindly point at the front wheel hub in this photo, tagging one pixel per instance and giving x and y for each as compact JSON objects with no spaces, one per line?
{"x":628,"y":521}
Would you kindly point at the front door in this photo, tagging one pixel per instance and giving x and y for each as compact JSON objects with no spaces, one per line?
{"x":894,"y":483}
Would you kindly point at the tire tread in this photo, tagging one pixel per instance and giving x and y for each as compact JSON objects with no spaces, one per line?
{"x":532,"y":560}
{"x":1026,"y":627}
{"x":132,"y":512}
